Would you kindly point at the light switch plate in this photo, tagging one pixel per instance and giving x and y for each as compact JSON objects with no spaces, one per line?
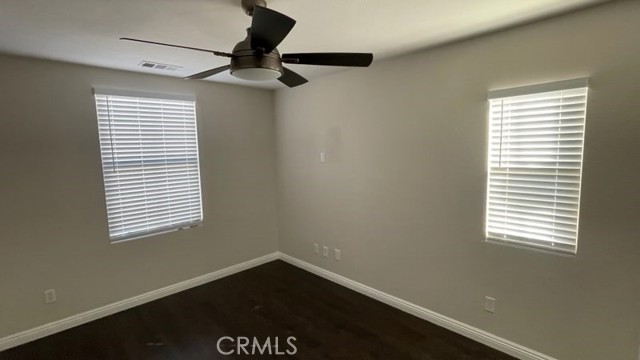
{"x":490,"y":304}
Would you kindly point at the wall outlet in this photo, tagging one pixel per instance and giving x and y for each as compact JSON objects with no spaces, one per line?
{"x":50,"y":296}
{"x":489,"y":304}
{"x":325,"y":251}
{"x":337,"y":254}
{"x":323,"y":157}
{"x":316,"y":248}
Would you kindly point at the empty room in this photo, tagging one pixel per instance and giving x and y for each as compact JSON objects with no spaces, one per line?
{"x":329,"y":179}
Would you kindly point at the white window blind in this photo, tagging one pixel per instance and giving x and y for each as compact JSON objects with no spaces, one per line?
{"x":535,"y":164}
{"x":150,"y":164}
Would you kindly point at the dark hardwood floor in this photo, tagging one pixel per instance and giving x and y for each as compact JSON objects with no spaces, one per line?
{"x":328,"y":321}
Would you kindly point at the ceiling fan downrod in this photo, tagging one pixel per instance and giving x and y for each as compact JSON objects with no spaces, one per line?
{"x":249,"y":5}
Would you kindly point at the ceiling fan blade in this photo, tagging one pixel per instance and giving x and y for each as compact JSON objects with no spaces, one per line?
{"x":269,"y":28}
{"x":218,"y":53}
{"x":206,"y":74}
{"x":330,"y":59}
{"x":291,"y":78}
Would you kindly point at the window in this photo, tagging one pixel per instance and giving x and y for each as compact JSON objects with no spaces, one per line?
{"x":535,"y":162}
{"x":150,"y":165}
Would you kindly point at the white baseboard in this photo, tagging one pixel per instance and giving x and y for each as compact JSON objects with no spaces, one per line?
{"x":83,"y":318}
{"x":481,"y":336}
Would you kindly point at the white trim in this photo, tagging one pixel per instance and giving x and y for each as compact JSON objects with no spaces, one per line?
{"x":540,"y":88}
{"x":481,"y":336}
{"x":142,"y":94}
{"x":91,"y":315}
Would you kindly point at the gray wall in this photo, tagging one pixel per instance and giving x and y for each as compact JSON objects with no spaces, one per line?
{"x":53,"y":226}
{"x":403,"y":191}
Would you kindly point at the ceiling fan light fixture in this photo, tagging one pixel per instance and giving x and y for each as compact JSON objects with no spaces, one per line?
{"x":249,"y":64}
{"x":256,"y":74}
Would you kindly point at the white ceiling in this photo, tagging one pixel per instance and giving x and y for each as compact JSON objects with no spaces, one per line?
{"x":87,"y":31}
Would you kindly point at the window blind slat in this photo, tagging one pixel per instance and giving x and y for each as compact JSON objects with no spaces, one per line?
{"x":150,"y":162}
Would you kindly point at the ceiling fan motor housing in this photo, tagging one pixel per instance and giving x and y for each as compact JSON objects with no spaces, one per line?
{"x":247,"y":60}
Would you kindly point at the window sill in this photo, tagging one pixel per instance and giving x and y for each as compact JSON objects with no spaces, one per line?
{"x":160,"y":232}
{"x":561,"y":253}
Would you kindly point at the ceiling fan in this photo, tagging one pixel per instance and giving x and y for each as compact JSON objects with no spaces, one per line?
{"x":256,"y":57}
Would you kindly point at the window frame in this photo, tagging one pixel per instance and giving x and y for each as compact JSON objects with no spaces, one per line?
{"x":153,"y":97}
{"x":538,"y":89}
